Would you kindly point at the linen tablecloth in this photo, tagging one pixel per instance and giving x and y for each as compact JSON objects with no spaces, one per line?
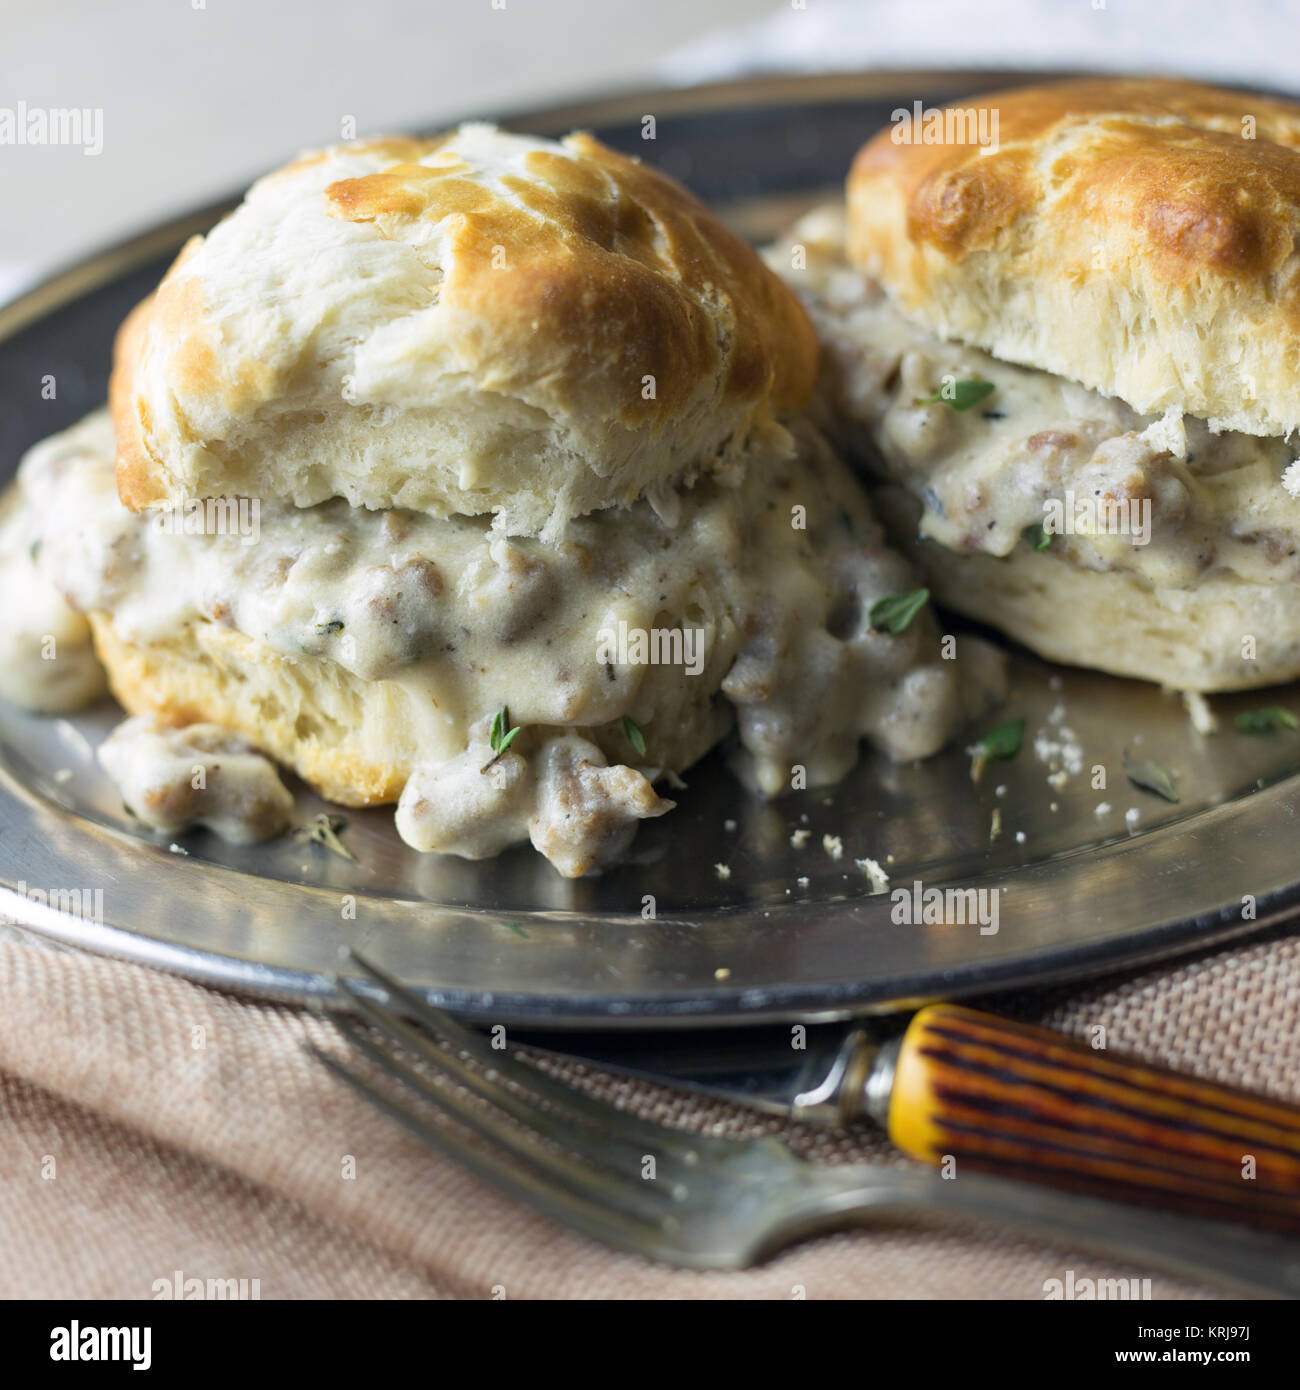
{"x":153,"y":1130}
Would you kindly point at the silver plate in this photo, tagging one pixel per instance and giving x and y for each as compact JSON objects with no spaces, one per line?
{"x":788,"y":932}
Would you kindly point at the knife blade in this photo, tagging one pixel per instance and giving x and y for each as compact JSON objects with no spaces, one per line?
{"x":801,"y":1071}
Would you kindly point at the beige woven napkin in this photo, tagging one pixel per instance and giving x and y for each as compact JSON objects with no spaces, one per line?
{"x":152,"y":1128}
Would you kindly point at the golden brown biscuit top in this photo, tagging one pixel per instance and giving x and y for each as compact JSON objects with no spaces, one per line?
{"x":1179,"y":201}
{"x":1199,"y":175}
{"x":618,"y":257}
{"x":467,"y":290}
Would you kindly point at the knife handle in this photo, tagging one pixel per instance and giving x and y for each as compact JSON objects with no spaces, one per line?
{"x":1022,"y":1102}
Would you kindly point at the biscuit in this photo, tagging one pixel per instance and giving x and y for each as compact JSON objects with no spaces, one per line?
{"x":1136,"y":236}
{"x":1207,"y":600}
{"x":482,"y":322}
{"x":1221,"y":635}
{"x":355,"y":741}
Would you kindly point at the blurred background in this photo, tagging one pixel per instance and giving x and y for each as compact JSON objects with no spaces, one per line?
{"x":199,"y":96}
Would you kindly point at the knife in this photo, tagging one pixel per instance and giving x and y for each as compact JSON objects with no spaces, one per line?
{"x":971,"y":1091}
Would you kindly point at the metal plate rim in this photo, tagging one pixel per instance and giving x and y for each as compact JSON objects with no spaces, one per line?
{"x":1182,"y":931}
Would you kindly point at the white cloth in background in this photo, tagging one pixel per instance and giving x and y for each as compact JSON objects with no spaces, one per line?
{"x":1251,"y":42}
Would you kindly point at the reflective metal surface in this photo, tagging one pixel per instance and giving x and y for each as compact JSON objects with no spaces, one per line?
{"x":791,"y":932}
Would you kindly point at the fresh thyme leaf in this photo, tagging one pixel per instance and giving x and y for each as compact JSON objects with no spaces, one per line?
{"x":501,"y":736}
{"x":1265,"y":721}
{"x":1150,"y":777}
{"x":1038,"y":536}
{"x":961,"y":395}
{"x":895,"y":613}
{"x":633,"y":734}
{"x":324,"y":830}
{"x":1002,"y":742}
{"x":334,"y":625}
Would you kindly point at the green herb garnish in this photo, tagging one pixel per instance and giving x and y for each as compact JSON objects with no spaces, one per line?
{"x":1150,"y":777}
{"x":1002,"y":742}
{"x":334,"y":625}
{"x":1265,"y":721}
{"x":961,"y":395}
{"x":895,"y":613}
{"x":501,"y":736}
{"x":632,"y":732}
{"x":1038,"y":536}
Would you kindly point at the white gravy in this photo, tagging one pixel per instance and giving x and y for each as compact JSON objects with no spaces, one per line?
{"x":778,"y":575}
{"x":984,"y":475}
{"x":173,"y":779}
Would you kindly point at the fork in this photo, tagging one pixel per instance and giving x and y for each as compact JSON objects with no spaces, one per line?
{"x":719,"y":1202}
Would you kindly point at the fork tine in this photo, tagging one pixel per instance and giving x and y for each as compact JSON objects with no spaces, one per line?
{"x":569,"y":1102}
{"x":551,"y":1124}
{"x":598,"y":1220}
{"x":622,"y":1188}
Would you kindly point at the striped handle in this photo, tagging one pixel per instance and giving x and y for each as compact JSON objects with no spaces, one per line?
{"x":1022,"y":1102}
